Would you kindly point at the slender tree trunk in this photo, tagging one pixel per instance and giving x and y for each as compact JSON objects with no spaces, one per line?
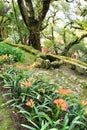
{"x":18,"y":27}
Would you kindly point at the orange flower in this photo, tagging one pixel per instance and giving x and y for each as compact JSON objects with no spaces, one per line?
{"x":2,"y":69}
{"x":9,"y":65}
{"x":84,"y":102}
{"x":28,"y":84}
{"x":61,"y":103}
{"x":30,"y":79}
{"x":28,"y":67}
{"x":65,"y":91}
{"x":3,"y":57}
{"x":45,"y":50}
{"x":19,"y":66}
{"x":30,"y":103}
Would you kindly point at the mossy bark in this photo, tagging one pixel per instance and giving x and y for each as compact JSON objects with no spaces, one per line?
{"x":34,"y":38}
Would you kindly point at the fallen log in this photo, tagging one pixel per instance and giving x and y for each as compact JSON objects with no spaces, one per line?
{"x":56,"y":61}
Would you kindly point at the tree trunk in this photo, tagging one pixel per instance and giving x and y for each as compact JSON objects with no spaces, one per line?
{"x":17,"y":24}
{"x":71,"y":44}
{"x":34,"y":38}
{"x":66,"y":49}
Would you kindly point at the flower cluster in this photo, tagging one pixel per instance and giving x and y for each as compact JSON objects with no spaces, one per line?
{"x":26,"y":83}
{"x":9,"y":65}
{"x":84,"y":102}
{"x":4,"y":57}
{"x":29,"y":67}
{"x":61,"y":103}
{"x":2,"y":69}
{"x":65,"y":91}
{"x":19,"y":66}
{"x":30,"y":103}
{"x":30,"y":79}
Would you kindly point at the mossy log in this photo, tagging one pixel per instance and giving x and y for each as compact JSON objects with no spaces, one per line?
{"x":54,"y":60}
{"x":24,"y":47}
{"x":78,"y":65}
{"x":65,"y":59}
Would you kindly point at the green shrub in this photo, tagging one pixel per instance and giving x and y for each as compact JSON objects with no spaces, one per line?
{"x":8,"y":50}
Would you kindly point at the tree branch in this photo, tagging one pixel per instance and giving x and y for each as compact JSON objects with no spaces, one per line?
{"x":69,"y":1}
{"x":77,"y":27}
{"x":29,"y":8}
{"x":23,"y":11}
{"x":42,"y":28}
{"x":44,"y":10}
{"x":71,"y":44}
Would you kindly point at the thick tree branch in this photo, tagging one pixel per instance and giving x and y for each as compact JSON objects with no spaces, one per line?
{"x":29,"y":8}
{"x":23,"y":11}
{"x":27,"y":12}
{"x":69,"y":1}
{"x":80,"y":28}
{"x":44,"y":10}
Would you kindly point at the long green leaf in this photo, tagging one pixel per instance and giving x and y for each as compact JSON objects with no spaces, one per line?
{"x":44,"y":115}
{"x":32,"y":123}
{"x":66,"y":120}
{"x":29,"y":127}
{"x":44,"y":126}
{"x":74,"y":122}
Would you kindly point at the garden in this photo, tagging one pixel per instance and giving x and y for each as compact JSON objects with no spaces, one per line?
{"x":43,"y":105}
{"x":43,"y":65}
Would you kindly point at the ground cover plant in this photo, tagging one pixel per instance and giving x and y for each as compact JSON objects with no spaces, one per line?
{"x":8,"y":50}
{"x":45,"y":106}
{"x":6,"y":59}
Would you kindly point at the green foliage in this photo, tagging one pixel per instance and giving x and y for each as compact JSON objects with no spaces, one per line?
{"x":82,"y":24}
{"x":48,"y":43}
{"x":34,"y":96}
{"x":84,"y":84}
{"x":6,"y":59}
{"x":16,"y":53}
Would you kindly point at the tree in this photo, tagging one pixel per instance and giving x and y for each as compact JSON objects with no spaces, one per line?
{"x":3,"y":19}
{"x":16,"y":18}
{"x":71,"y":44}
{"x":33,"y":24}
{"x":76,"y":26}
{"x":33,"y":13}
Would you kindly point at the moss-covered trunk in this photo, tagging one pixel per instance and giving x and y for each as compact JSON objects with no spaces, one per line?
{"x":34,"y":38}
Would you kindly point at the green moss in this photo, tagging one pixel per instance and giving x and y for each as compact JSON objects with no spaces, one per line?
{"x":28,"y":59}
{"x":6,"y":122}
{"x":85,"y":92}
{"x":25,"y":48}
{"x":69,"y":60}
